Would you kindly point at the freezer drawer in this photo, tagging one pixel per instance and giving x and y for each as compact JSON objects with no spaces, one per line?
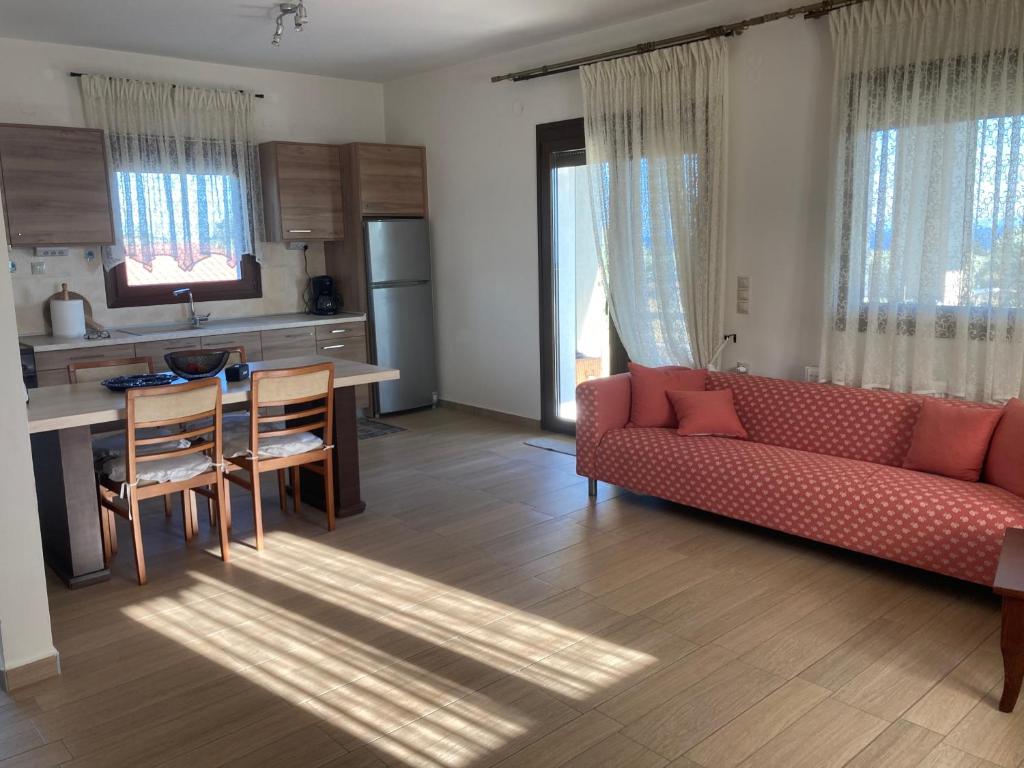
{"x":404,"y":331}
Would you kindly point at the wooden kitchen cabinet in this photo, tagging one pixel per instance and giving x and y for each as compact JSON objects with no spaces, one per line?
{"x":250,"y":342}
{"x":155,"y":350}
{"x":52,"y":367}
{"x":288,"y":342}
{"x":56,"y":186}
{"x":302,"y":191}
{"x":392,"y":179}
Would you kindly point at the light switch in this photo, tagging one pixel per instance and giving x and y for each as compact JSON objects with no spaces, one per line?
{"x":743,"y":295}
{"x":38,"y":267}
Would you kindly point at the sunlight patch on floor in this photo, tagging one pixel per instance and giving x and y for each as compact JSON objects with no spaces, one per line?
{"x":340,"y":636}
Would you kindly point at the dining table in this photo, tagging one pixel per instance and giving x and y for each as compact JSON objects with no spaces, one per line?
{"x":62,"y":420}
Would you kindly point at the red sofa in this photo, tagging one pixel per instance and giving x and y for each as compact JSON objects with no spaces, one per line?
{"x":822,"y":462}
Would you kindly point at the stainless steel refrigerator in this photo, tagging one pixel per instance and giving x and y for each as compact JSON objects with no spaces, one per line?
{"x":402,"y":307}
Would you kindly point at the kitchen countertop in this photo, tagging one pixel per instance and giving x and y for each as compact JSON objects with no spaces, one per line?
{"x":163,"y":331}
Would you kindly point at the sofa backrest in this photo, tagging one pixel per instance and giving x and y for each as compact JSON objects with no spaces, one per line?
{"x":862,"y":424}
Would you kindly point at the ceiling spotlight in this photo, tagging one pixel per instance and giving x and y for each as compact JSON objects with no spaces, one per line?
{"x":298,"y":10}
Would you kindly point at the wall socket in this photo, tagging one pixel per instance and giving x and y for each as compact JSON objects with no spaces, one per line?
{"x":296,"y":245}
{"x":51,"y":251}
{"x":38,"y":267}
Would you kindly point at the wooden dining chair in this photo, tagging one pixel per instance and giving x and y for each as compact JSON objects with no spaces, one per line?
{"x":85,"y":371}
{"x":157,"y":465}
{"x":299,"y":437}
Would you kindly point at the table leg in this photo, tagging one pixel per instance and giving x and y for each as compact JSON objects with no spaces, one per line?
{"x":1013,"y":651}
{"x":69,"y":517}
{"x":348,"y":501}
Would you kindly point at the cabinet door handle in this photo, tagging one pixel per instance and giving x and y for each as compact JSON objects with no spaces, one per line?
{"x":333,"y":346}
{"x":299,"y":231}
{"x":340,"y":330}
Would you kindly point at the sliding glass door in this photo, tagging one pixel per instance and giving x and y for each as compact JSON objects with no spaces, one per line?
{"x":576,"y":335}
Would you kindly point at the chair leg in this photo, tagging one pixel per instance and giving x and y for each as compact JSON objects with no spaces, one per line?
{"x":282,"y":493}
{"x":140,"y":557}
{"x":221,"y":491}
{"x":329,"y":491}
{"x":211,"y":508}
{"x":187,"y":511}
{"x":257,"y":507}
{"x":112,"y":531}
{"x":225,"y":505}
{"x":105,"y":535}
{"x":193,"y":504}
{"x":167,"y":507}
{"x":297,"y":489}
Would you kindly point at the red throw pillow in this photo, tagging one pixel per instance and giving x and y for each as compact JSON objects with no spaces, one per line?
{"x":951,"y":439}
{"x":707,"y":413}
{"x":649,"y":405}
{"x":1005,"y":463}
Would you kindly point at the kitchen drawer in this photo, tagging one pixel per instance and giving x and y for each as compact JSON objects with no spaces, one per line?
{"x":288,"y":342}
{"x":51,"y":378}
{"x":250,"y":342}
{"x":353,"y":351}
{"x":59,"y":359}
{"x":155,"y":350}
{"x":340,"y":331}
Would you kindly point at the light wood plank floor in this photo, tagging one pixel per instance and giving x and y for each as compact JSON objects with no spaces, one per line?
{"x":482,"y":612}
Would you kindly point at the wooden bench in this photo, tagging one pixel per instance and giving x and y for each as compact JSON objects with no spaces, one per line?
{"x":1009,"y":584}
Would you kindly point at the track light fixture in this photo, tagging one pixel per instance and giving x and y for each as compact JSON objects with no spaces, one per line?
{"x":296,"y":10}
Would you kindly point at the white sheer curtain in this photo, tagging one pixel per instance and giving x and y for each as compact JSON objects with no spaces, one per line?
{"x":655,"y":132}
{"x":185,"y":169}
{"x":926,"y":261}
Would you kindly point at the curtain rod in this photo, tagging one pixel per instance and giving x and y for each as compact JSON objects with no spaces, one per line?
{"x":255,"y":95}
{"x":812,"y":11}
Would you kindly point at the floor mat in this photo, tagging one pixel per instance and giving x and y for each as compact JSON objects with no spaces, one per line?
{"x":566,"y":445}
{"x":367,"y":428}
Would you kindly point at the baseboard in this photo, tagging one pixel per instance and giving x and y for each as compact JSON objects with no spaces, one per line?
{"x":33,"y":672}
{"x":487,"y":413}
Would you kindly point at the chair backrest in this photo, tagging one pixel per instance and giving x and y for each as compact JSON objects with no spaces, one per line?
{"x":190,"y":411}
{"x":306,"y":395}
{"x":235,"y":354}
{"x":86,"y":371}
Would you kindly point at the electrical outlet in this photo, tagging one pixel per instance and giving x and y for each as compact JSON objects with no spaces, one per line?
{"x":296,"y":245}
{"x":811,"y":373}
{"x":38,"y":267}
{"x":743,"y":295}
{"x":51,"y":251}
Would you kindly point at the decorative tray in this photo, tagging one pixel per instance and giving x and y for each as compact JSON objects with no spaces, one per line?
{"x":121,"y":383}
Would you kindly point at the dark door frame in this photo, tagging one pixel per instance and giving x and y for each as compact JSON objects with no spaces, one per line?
{"x":560,"y":136}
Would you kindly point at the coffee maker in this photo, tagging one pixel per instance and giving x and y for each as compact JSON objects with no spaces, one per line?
{"x":323,"y":299}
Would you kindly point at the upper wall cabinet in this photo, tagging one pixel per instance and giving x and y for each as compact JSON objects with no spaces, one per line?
{"x":302,"y":196}
{"x":56,"y":186}
{"x":392,"y":179}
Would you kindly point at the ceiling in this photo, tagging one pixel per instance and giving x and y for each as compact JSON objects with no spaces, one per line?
{"x":375,"y":40}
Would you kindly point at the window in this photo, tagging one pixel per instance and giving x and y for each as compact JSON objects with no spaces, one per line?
{"x":181,"y":230}
{"x":979,"y":227}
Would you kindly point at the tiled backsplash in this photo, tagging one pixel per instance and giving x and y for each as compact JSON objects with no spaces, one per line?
{"x":284,"y":279}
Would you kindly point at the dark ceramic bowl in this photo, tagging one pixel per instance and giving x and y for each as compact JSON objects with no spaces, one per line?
{"x":197,"y":363}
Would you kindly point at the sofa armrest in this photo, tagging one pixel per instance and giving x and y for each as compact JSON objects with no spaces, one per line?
{"x":601,"y":405}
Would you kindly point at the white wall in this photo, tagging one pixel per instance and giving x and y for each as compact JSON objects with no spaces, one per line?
{"x":480,"y":140}
{"x":24,"y":613}
{"x":36,"y":89}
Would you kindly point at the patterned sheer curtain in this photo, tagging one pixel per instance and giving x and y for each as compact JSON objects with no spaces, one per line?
{"x":655,"y":128}
{"x":185,"y":169}
{"x":926,"y":263}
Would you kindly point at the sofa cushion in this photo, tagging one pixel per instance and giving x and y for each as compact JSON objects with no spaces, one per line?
{"x":951,"y":439}
{"x":707,"y":413}
{"x":931,"y":522}
{"x":1005,"y":463}
{"x":649,"y":404}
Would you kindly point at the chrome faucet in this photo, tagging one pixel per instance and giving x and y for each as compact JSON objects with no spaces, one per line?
{"x":193,"y":318}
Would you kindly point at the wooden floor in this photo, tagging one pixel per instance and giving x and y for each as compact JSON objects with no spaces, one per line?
{"x":482,"y":612}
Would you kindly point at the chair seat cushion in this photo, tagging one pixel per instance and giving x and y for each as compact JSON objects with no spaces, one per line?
{"x":113,"y":444}
{"x":170,"y":470}
{"x":275,"y":447}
